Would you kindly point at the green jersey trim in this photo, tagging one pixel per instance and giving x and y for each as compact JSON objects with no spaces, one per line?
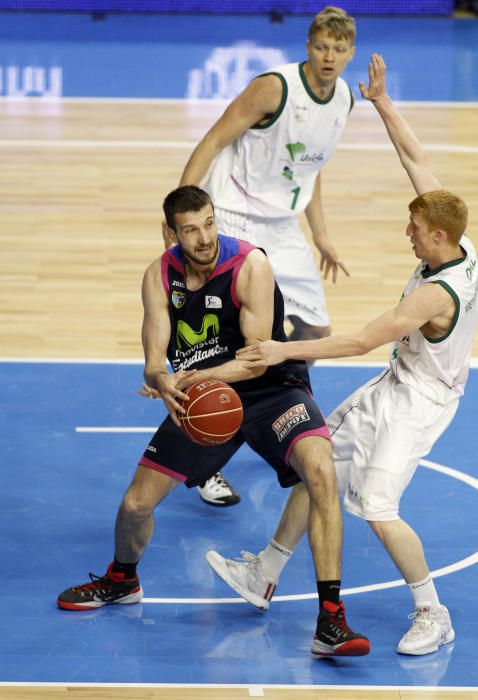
{"x":309,"y":91}
{"x":426,"y":272}
{"x":454,"y":320}
{"x":352,"y":99}
{"x":274,"y":117}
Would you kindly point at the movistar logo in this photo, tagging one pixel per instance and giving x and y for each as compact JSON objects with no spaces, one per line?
{"x":295,"y":148}
{"x":187,"y":336}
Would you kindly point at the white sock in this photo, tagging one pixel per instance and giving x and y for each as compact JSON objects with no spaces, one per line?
{"x":273,"y":559}
{"x":424,"y":593}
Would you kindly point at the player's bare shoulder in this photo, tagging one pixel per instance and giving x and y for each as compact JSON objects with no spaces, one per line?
{"x":256,"y":274}
{"x":265,"y":92}
{"x":153,"y":280}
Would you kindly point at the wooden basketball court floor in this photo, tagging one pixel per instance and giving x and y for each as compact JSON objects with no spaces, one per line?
{"x":81,"y":185}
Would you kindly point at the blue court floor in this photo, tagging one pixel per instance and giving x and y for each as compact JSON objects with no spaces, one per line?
{"x":61,"y":485}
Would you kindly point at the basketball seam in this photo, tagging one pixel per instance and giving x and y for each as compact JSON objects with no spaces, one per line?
{"x":198,"y":398}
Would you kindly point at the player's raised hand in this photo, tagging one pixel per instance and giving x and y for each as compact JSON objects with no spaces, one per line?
{"x":269,"y":352}
{"x":376,"y":79}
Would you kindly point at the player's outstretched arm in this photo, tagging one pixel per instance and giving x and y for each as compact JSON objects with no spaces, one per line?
{"x":408,"y":147}
{"x":261,"y":97}
{"x":428,"y":302}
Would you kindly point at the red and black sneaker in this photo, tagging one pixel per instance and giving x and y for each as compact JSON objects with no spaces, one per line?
{"x":334,"y":637}
{"x":111,"y":588}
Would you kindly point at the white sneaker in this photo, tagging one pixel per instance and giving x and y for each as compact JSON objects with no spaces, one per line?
{"x":244,"y":576}
{"x":218,"y":492}
{"x":430,"y":629}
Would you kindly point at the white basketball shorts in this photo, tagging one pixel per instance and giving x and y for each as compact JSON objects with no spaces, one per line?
{"x":379,"y":434}
{"x":291,"y":257}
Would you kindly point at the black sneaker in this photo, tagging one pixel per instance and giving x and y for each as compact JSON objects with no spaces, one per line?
{"x":102,"y":590}
{"x":334,"y":637}
{"x":218,"y":492}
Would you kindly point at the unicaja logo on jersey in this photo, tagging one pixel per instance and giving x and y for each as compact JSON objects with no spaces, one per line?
{"x":295,"y":149}
{"x":186,"y":336}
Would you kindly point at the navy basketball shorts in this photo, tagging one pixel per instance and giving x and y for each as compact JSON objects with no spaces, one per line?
{"x":273,"y":423}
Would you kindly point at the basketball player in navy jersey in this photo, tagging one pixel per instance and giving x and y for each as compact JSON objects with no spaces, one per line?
{"x":204,"y":299}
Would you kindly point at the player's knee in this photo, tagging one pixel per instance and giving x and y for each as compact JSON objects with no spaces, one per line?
{"x":320,"y":474}
{"x":135,"y":506}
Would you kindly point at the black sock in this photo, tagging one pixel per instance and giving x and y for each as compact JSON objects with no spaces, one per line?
{"x":129,"y":570}
{"x":328,"y":590}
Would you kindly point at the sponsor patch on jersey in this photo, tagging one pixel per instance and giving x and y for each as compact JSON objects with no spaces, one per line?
{"x":295,"y":149}
{"x":287,"y":173}
{"x":288,"y":420}
{"x":213,"y":302}
{"x":177,"y":283}
{"x":178,"y":299}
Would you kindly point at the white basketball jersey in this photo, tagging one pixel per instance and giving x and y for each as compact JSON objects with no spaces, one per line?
{"x":438,"y":367}
{"x":270,"y":170}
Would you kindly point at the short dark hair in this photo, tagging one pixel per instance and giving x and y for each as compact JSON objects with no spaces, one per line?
{"x":184,"y":199}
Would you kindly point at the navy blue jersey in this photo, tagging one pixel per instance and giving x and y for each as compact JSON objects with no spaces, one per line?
{"x":205,"y":329}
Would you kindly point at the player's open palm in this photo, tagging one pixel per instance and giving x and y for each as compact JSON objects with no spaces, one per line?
{"x":376,"y":79}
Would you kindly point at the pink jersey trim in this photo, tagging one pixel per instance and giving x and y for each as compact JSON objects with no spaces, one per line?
{"x":322,"y":432}
{"x":164,"y":273}
{"x":160,"y":468}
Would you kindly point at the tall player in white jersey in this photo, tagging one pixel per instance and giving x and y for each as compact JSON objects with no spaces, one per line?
{"x":267,"y":151}
{"x":380,"y":433}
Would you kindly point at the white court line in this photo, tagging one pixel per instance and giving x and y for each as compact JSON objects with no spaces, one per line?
{"x":443,"y":571}
{"x":113,"y":429}
{"x":59,"y":143}
{"x":359,"y":103}
{"x":133,"y":361}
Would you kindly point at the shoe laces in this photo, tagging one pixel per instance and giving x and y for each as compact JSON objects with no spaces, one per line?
{"x":337,"y":620}
{"x":217,"y":483}
{"x":421,"y":620}
{"x":247,"y":557}
{"x":97,"y":583}
{"x":219,"y":479}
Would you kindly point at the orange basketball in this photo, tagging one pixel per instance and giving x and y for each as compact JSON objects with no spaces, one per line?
{"x":213,"y":413}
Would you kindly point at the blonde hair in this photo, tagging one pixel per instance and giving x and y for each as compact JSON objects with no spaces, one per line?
{"x":336,"y":21}
{"x":444,"y":210}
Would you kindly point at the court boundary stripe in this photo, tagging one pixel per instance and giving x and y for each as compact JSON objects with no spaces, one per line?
{"x":96,"y":143}
{"x":134,"y":361}
{"x":217,"y":686}
{"x":359,"y":104}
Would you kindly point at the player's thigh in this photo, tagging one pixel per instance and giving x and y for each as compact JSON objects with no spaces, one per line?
{"x":406,"y":427}
{"x":352,"y":423}
{"x":147,"y":489}
{"x":275,"y":422}
{"x":172,"y":454}
{"x":312,"y":459}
